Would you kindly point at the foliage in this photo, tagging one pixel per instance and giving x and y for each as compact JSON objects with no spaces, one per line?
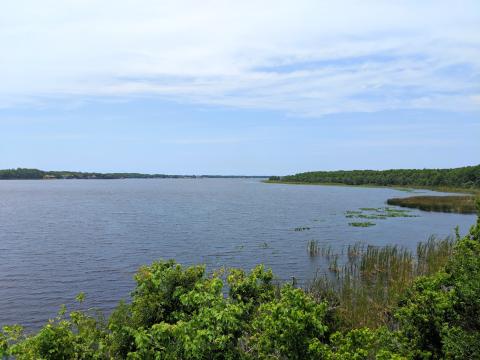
{"x":465,"y":177}
{"x":291,"y":327}
{"x":441,"y":314}
{"x":181,"y":312}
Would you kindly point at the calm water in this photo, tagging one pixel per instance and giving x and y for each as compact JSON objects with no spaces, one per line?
{"x":58,"y":238}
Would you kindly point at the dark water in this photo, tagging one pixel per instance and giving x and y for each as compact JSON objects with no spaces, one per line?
{"x":58,"y":238}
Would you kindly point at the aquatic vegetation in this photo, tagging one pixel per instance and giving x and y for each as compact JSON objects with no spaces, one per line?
{"x":380,"y":213}
{"x":326,"y":250}
{"x":333,"y":264}
{"x":353,"y":212}
{"x":264,"y":245}
{"x":362,"y":224}
{"x":372,"y":278}
{"x":313,"y":247}
{"x":301,"y":228}
{"x":457,"y":204}
{"x":354,"y":251}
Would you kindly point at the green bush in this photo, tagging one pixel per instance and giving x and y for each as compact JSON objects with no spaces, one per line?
{"x":440,"y":314}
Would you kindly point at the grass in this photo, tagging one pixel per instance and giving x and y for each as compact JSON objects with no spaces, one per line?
{"x":366,"y":282}
{"x":456,"y":204}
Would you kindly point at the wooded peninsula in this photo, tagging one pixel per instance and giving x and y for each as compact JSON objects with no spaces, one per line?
{"x":466,"y":178}
{"x":463,"y":179}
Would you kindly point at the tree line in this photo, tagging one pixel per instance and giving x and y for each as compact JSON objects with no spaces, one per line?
{"x":35,"y":174}
{"x":464,"y":177}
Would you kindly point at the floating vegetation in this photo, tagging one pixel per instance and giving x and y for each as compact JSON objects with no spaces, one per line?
{"x":366,"y":216}
{"x":302,"y":228}
{"x":264,"y":245}
{"x":362,"y":224}
{"x":313,"y":248}
{"x":380,"y":213}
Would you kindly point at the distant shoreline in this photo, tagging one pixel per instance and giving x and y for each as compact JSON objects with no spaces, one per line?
{"x":439,"y":203}
{"x":179,"y":177}
{"x":36,"y":174}
{"x":445,"y":189}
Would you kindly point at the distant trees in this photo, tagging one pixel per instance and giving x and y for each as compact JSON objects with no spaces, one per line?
{"x":34,"y":174}
{"x":21,"y":174}
{"x":464,"y":177}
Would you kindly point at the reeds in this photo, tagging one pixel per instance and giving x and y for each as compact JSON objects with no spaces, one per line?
{"x":367,"y":281}
{"x":457,"y":204}
{"x":313,"y":248}
{"x":433,"y":254}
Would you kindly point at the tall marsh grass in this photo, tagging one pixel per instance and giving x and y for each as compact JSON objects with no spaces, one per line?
{"x":365,"y":282}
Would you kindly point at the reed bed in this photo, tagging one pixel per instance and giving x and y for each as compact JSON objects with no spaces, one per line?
{"x":453,"y":203}
{"x":365,"y":282}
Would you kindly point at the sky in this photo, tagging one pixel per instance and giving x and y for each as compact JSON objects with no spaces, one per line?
{"x":239,"y":87}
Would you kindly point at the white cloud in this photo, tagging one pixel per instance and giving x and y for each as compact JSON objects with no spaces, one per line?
{"x":303,"y":57}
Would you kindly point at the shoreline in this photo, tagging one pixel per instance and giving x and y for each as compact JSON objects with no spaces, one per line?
{"x":459,"y":204}
{"x":405,"y":188}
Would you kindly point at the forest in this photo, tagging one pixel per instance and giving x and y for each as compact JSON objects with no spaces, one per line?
{"x":385,"y":304}
{"x":467,"y":177}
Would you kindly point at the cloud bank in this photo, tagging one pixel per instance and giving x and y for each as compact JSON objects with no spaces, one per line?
{"x":307,"y":58}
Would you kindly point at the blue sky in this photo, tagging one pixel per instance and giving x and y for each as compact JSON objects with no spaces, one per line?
{"x":220,"y":87}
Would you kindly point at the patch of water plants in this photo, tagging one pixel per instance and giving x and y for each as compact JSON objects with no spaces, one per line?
{"x":380,"y":213}
{"x":361,"y":224}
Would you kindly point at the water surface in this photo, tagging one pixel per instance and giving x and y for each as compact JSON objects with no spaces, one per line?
{"x":58,"y":238}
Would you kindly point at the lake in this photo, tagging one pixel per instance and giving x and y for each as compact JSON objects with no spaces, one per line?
{"x":58,"y":238}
